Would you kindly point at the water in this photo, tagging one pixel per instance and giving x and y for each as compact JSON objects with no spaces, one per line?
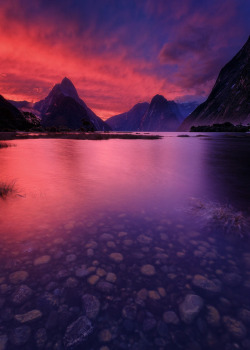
{"x":173,"y":204}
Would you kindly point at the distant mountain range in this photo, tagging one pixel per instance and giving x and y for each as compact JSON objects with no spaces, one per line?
{"x":229,"y":100}
{"x":159,"y":115}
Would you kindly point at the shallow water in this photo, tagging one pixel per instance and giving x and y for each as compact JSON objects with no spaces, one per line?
{"x":151,"y":201}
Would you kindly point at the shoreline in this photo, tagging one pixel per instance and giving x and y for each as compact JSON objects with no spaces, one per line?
{"x":75,"y":136}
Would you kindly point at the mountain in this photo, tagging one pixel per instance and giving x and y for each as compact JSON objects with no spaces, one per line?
{"x":163,"y":109}
{"x":161,"y":115}
{"x":63,"y":107}
{"x":229,"y":100}
{"x":129,"y":121}
{"x":12,"y":119}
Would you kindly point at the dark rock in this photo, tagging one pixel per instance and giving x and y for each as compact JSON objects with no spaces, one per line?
{"x":129,"y":311}
{"x":105,"y":287}
{"x":40,"y":338}
{"x":21,"y":295}
{"x":170,"y":317}
{"x":91,"y":306}
{"x":235,"y":327}
{"x":148,"y":324}
{"x":52,"y":321}
{"x":47,"y":302}
{"x":77,"y":333}
{"x":129,"y":325}
{"x":20,"y":335}
{"x":244,"y":315}
{"x":162,"y":329}
{"x":190,"y":308}
{"x":3,"y":342}
{"x":205,"y":286}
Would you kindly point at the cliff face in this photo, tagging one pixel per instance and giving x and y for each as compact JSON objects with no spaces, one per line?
{"x":229,"y":100}
{"x":63,"y":107}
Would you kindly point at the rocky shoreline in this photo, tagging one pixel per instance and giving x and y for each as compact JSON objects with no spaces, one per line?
{"x":124,"y":284}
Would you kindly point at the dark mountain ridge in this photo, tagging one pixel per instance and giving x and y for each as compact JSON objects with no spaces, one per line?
{"x":229,"y":100}
{"x":64,"y":95}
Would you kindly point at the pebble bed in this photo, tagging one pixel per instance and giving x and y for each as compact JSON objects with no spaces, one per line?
{"x":125,"y":282}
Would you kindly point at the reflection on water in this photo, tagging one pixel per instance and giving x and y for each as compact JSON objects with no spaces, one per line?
{"x":98,"y":249}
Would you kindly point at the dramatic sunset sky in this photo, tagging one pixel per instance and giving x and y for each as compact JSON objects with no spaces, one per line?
{"x":118,"y":52}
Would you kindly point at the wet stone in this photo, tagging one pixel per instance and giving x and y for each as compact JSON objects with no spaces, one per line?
{"x":105,"y":336}
{"x":116,"y":257}
{"x":105,"y":287}
{"x":20,"y":335}
{"x":101,"y":272}
{"x":40,"y":338}
{"x":235,"y":327}
{"x":162,"y":291}
{"x":91,"y":306}
{"x":144,"y":239}
{"x":71,"y":282}
{"x":154,"y":295}
{"x":244,"y":315}
{"x":70,"y":258}
{"x":170,"y":317}
{"x":148,"y":270}
{"x":47,"y":302}
{"x":93,"y":279}
{"x":90,"y":252}
{"x":106,"y":237}
{"x":162,"y":329}
{"x":148,"y":324}
{"x":205,"y":286}
{"x":212,"y":316}
{"x":30,"y":316}
{"x":77,"y":333}
{"x":190,"y":308}
{"x":129,"y":311}
{"x":18,"y":277}
{"x":3,"y":342}
{"x":62,"y":274}
{"x":142,"y":294}
{"x":21,"y":295}
{"x":45,"y":259}
{"x":111,"y":277}
{"x":82,"y":272}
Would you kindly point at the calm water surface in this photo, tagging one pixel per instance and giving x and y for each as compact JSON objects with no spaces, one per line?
{"x":125,"y":244}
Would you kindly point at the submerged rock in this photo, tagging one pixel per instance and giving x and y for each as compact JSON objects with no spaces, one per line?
{"x":148,"y":270}
{"x":20,"y":335}
{"x":212,"y":316}
{"x":170,"y":317}
{"x":77,"y":333}
{"x":105,"y":336}
{"x":190,"y":308}
{"x":21,"y":295}
{"x":105,"y":287}
{"x":3,"y":342}
{"x":30,"y":316}
{"x":91,"y":306}
{"x":235,"y":327}
{"x":42,"y":260}
{"x":40,"y":338}
{"x":116,"y":257}
{"x":205,"y":286}
{"x":129,"y":311}
{"x":18,"y":277}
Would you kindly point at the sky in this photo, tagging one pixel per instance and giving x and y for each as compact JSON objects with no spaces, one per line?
{"x":118,"y":52}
